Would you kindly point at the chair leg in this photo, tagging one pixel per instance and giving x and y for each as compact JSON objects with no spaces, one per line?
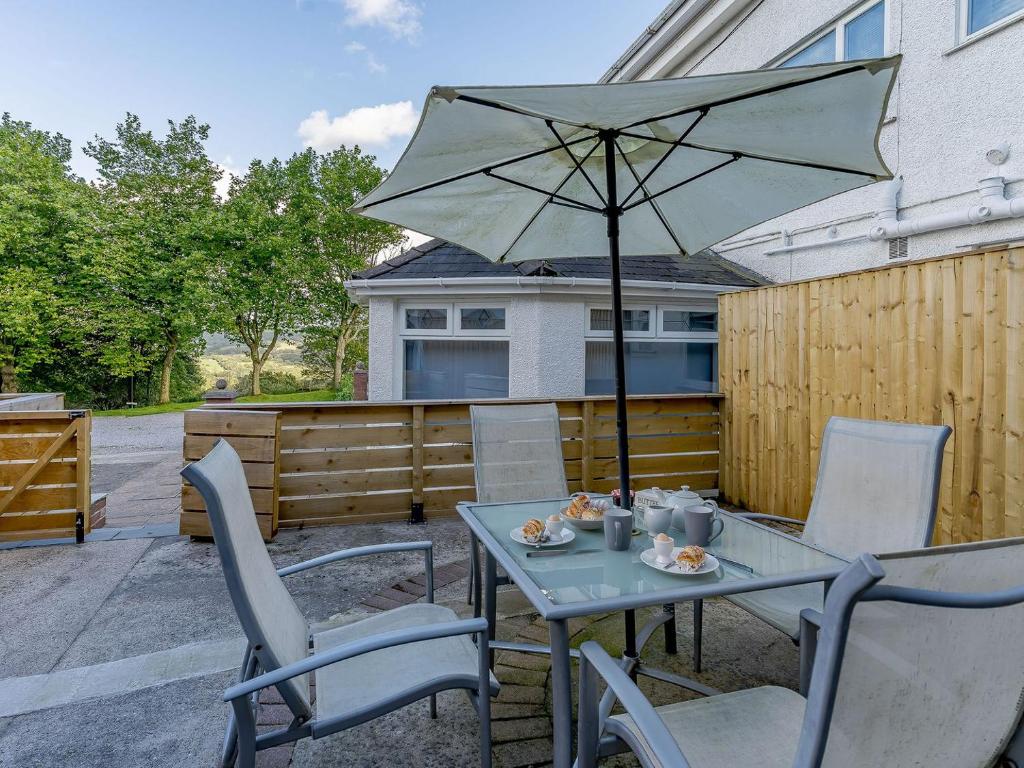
{"x":483,"y":699}
{"x":670,"y":629}
{"x":474,"y":564}
{"x":229,"y":752}
{"x":698,"y":631}
{"x":433,"y":706}
{"x":245,"y":719}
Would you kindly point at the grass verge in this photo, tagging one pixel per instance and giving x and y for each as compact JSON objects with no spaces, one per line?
{"x":291,"y":397}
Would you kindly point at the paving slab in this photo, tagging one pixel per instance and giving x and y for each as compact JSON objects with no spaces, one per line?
{"x":50,"y":594}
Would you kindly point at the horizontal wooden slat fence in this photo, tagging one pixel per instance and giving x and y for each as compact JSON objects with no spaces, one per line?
{"x":255,"y":435}
{"x":44,"y":474}
{"x":934,"y":342}
{"x":350,"y":462}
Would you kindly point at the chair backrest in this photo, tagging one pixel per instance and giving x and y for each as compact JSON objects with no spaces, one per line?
{"x":272,"y":622}
{"x":923,"y":684}
{"x":517,"y":453}
{"x":877,"y":487}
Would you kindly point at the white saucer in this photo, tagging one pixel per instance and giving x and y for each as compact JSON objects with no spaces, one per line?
{"x":648,"y":557}
{"x":565,"y":537}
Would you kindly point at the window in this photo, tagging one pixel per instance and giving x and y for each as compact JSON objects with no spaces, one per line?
{"x":441,"y":359}
{"x":860,"y":34}
{"x":985,"y":13}
{"x":668,"y":350}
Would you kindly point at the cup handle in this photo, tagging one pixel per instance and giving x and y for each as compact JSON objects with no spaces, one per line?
{"x":721,"y":528}
{"x":713,"y":505}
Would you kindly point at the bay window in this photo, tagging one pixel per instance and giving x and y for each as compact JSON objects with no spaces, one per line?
{"x":669,"y":349}
{"x":454,"y":351}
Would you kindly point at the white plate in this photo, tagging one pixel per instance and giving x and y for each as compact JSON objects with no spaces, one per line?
{"x":648,"y":557}
{"x":555,"y":541}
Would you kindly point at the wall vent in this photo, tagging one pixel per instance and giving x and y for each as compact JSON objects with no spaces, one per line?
{"x":898,"y":248}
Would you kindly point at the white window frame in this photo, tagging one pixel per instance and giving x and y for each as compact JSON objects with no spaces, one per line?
{"x":452,"y":331}
{"x":405,"y":331}
{"x":461,"y":305}
{"x":651,"y":331}
{"x":704,"y":336}
{"x":963,"y":14}
{"x":839,"y":27}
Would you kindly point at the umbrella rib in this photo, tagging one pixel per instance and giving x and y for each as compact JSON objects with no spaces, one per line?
{"x":752,"y":95}
{"x":467,"y":174}
{"x":781,"y":160}
{"x":577,"y":163}
{"x":552,"y":195}
{"x":544,"y":204}
{"x":649,"y":198}
{"x":675,"y":144}
{"x":654,"y":206}
{"x":505,"y":108}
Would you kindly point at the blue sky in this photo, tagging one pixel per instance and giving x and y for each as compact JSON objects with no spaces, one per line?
{"x":259,"y":71}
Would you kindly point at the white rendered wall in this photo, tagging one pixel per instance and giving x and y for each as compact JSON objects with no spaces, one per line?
{"x":949,"y":107}
{"x":546,"y":351}
{"x":383,"y":330}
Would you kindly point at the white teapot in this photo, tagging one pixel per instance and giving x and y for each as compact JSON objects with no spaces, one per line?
{"x":680,"y":500}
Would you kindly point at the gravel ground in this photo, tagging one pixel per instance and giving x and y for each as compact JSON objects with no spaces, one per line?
{"x":134,"y":434}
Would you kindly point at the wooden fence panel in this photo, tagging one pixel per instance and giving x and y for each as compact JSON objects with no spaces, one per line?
{"x":357,"y":462}
{"x":256,"y":436}
{"x":44,"y":474}
{"x":933,"y":342}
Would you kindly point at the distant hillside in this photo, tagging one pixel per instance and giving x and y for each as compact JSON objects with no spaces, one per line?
{"x":224,"y":359}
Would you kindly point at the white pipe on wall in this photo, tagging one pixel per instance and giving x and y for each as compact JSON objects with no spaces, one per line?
{"x":994,"y":206}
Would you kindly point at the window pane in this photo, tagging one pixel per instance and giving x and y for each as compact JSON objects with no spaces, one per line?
{"x":654,"y":367}
{"x":982,"y":13}
{"x":678,"y":321}
{"x":483,"y":319}
{"x":818,"y":52}
{"x":637,"y":320}
{"x":865,"y":35}
{"x":443,"y":369}
{"x":426,"y":319}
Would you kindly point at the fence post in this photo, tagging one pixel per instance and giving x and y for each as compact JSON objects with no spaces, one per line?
{"x":83,"y":494}
{"x":587,"y":463}
{"x":416,"y":516}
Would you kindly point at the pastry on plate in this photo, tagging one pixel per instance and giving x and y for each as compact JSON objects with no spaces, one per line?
{"x":533,"y":530}
{"x":690,"y":558}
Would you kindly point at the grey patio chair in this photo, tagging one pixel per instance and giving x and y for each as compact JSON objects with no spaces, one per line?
{"x":362,"y":670}
{"x":919,"y":663}
{"x":877,"y":491}
{"x":517,"y":456}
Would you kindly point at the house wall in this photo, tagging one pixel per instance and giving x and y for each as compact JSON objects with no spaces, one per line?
{"x":950,"y":106}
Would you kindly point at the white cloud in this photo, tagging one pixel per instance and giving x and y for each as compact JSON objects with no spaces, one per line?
{"x":228,"y":171}
{"x":399,"y":17}
{"x":365,"y":126}
{"x":375,"y":67}
{"x":355,"y":47}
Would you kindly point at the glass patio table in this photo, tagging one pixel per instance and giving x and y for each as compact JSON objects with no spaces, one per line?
{"x":590,"y":579}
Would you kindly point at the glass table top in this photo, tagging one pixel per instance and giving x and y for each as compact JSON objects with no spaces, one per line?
{"x":755,"y":552}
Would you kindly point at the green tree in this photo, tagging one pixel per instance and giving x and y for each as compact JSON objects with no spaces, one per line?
{"x":334,"y":244}
{"x":44,"y":212}
{"x":258,"y":296}
{"x":159,"y":205}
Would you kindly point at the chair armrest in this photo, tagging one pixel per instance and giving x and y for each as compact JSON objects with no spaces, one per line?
{"x":347,"y":554}
{"x":650,"y":725}
{"x":390,"y":639}
{"x":770,"y":518}
{"x":810,"y":626}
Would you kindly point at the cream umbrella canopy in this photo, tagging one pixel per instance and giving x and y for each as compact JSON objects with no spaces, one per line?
{"x":643,"y":168}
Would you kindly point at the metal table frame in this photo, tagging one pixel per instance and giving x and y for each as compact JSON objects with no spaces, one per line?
{"x":558,"y":615}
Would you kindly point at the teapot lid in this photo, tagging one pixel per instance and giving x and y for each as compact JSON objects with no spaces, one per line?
{"x":686,"y":493}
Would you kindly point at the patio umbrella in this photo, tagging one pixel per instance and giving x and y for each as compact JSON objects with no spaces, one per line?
{"x":643,"y":168}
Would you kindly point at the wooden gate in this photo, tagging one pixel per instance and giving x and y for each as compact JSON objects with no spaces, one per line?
{"x":44,"y":474}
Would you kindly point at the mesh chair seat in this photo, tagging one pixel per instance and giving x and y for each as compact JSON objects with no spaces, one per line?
{"x":758,"y":726}
{"x":781,"y":607}
{"x":369,"y":679}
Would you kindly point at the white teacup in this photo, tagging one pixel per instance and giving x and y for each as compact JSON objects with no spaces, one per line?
{"x":663,"y":549}
{"x":555,"y":527}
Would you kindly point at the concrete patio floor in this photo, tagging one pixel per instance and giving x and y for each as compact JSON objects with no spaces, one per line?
{"x":116,"y":653}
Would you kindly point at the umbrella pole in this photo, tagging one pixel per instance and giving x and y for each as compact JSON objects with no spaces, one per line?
{"x":612,"y":212}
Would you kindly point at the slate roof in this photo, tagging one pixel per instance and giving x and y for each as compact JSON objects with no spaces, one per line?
{"x":439,"y":258}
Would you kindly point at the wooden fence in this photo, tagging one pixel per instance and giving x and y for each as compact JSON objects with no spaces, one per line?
{"x":935,"y":342}
{"x":44,"y":474}
{"x":32,"y":401}
{"x":368,"y":462}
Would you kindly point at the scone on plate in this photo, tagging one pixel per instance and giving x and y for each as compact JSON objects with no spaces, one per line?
{"x":533,"y":530}
{"x":690,"y":558}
